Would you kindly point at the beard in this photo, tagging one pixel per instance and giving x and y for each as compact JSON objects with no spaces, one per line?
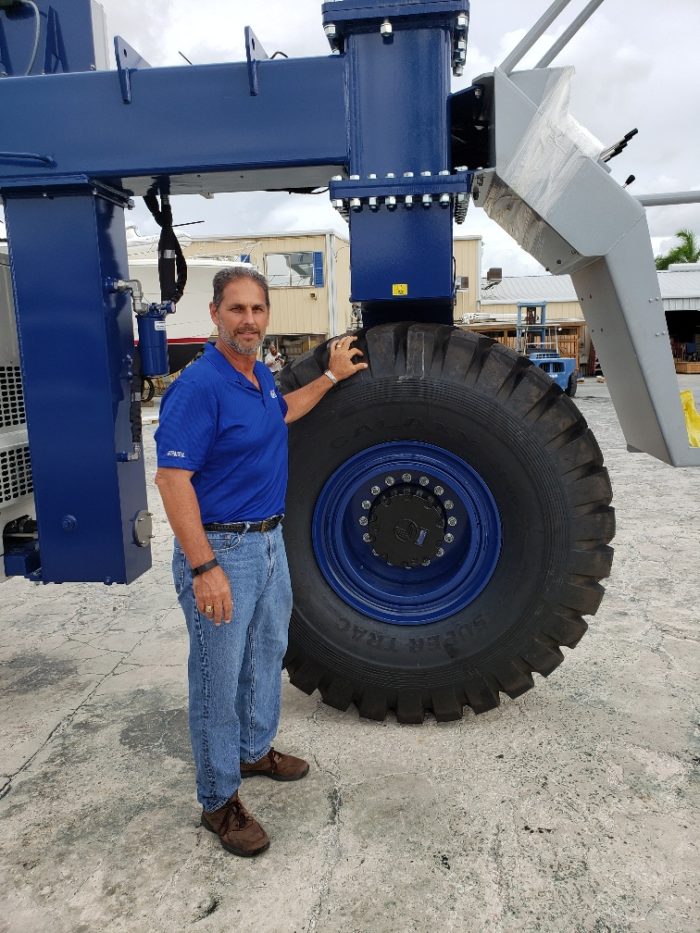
{"x":245,"y":350}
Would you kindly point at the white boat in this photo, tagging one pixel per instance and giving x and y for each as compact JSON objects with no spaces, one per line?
{"x":191,"y":326}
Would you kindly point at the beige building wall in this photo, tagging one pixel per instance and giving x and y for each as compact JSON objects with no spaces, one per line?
{"x":325,"y":311}
{"x":295,"y":310}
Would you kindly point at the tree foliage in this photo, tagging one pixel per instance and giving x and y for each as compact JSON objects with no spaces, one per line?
{"x":688,"y":250}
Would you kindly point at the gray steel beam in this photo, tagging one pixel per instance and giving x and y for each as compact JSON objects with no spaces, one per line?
{"x":569,"y":33}
{"x":672,"y":197}
{"x":538,"y":30}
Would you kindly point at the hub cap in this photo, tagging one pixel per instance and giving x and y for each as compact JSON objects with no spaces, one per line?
{"x":407,"y":533}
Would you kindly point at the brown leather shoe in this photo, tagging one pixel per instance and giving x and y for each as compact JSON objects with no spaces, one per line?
{"x":237,"y":830}
{"x":277,"y":766}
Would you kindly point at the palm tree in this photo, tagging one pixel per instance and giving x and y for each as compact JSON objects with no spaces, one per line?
{"x":688,"y":250}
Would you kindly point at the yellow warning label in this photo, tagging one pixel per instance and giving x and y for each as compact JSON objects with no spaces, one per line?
{"x":400,"y":291}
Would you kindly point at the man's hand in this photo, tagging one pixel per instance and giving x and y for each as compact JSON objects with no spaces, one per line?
{"x":341,"y":361}
{"x":213,"y":594}
{"x":341,"y":364}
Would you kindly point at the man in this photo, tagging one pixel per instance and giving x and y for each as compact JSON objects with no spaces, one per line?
{"x":273,"y":359}
{"x":222,"y":475}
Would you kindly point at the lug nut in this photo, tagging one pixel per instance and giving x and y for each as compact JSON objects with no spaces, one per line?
{"x":330,"y":30}
{"x":364,"y":521}
{"x":449,"y":504}
{"x":366,"y":505}
{"x":439,"y":491}
{"x":375,"y":490}
{"x":355,"y":204}
{"x":390,"y":480}
{"x":406,"y":477}
{"x":424,"y":481}
{"x":462,"y":21}
{"x":440,"y":553}
{"x":386,"y":29}
{"x":448,"y":539}
{"x":373,"y":204}
{"x":408,"y":200}
{"x":445,"y":200}
{"x":426,"y":563}
{"x":367,"y":538}
{"x":427,"y":198}
{"x":452,"y":521}
{"x":458,"y":71}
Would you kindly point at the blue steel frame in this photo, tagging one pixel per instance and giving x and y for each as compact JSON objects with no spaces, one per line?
{"x":75,"y":145}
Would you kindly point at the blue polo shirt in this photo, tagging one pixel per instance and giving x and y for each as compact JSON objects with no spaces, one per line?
{"x":232,"y":436}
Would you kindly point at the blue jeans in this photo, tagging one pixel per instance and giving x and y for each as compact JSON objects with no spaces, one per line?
{"x":235,"y":670}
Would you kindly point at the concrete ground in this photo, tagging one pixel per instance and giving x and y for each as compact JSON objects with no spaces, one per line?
{"x":573,"y":808}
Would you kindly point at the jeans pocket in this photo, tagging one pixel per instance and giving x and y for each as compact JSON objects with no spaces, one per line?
{"x":223,"y":541}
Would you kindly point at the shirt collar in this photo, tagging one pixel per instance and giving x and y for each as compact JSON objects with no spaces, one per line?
{"x":229,"y":372}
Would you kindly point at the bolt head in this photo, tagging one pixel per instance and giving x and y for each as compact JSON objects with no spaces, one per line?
{"x":448,"y":539}
{"x":364,"y":521}
{"x":386,"y":29}
{"x":440,"y":553}
{"x":389,"y":480}
{"x":452,"y":521}
{"x":367,"y":538}
{"x":449,"y":504}
{"x":424,"y":481}
{"x":439,"y":490}
{"x":406,"y":477}
{"x":376,"y":490}
{"x":330,"y":30}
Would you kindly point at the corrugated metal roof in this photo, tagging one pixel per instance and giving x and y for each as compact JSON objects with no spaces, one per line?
{"x":679,"y":290}
{"x":529,"y":288}
{"x":680,"y":284}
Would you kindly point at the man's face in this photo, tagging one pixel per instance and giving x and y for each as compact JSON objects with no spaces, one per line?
{"x":242,"y":317}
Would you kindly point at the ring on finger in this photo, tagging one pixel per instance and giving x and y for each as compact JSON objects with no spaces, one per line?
{"x":208,"y":610}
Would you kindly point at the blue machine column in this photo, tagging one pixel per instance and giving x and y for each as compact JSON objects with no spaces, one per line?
{"x":401,"y":191}
{"x":77,"y":347}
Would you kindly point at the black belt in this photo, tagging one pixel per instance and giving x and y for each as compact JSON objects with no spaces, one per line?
{"x":240,"y":527}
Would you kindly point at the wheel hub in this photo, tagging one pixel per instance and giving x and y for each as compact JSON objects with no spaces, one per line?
{"x":407,"y":526}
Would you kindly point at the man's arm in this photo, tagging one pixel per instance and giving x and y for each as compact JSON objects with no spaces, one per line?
{"x":182,"y":508}
{"x":341,"y":364}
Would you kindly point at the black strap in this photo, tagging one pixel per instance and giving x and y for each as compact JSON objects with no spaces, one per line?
{"x":210,"y":564}
{"x":172,"y":265}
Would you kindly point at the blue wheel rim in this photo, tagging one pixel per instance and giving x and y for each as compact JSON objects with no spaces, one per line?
{"x":398,"y":595}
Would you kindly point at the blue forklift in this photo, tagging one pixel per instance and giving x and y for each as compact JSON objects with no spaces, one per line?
{"x":539,"y":342}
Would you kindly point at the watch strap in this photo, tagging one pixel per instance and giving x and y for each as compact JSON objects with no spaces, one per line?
{"x":210,"y":564}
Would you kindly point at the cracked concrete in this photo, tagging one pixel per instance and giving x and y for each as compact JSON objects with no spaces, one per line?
{"x":573,"y":808}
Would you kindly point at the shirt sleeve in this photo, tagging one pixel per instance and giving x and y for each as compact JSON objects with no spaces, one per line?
{"x":187,"y":426}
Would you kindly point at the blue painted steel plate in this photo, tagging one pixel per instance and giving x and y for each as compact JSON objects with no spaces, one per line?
{"x":397,"y":595}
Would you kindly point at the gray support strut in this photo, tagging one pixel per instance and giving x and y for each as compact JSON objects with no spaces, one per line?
{"x":552,"y":194}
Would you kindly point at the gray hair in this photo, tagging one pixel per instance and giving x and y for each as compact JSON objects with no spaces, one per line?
{"x":230,"y":274}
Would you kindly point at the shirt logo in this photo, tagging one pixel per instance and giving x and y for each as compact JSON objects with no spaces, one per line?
{"x":176,"y":453}
{"x":273,"y":394}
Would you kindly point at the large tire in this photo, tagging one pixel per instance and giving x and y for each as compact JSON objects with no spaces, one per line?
{"x":528,"y":483}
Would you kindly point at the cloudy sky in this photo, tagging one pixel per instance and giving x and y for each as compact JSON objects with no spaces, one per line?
{"x":635,"y":62}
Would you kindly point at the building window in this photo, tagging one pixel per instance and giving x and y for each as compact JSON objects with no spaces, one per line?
{"x":294,"y":270}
